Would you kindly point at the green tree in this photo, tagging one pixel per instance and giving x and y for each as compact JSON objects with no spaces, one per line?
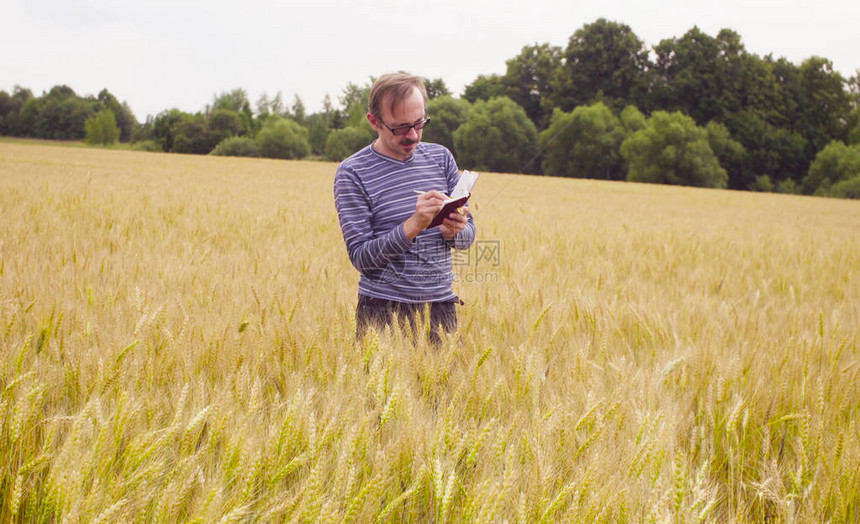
{"x":788,"y":94}
{"x":10,"y":110}
{"x":148,"y":145}
{"x":322,"y":123}
{"x":770,"y":150}
{"x":125,"y":118}
{"x":191,"y":135}
{"x":101,"y":128}
{"x":234,"y":100}
{"x":826,"y":103}
{"x":762,"y":184}
{"x":846,"y":188}
{"x":854,"y":127}
{"x":237,"y":146}
{"x":632,"y":119}
{"x":161,"y":128}
{"x":126,"y":122}
{"x":58,"y":114}
{"x":584,"y":144}
{"x":298,"y":110}
{"x":527,"y":80}
{"x":283,"y":138}
{"x":447,"y":114}
{"x":354,"y":102}
{"x":709,"y":78}
{"x":223,"y":124}
{"x":69,"y":120}
{"x":6,"y":107}
{"x":341,"y":143}
{"x":497,"y":136}
{"x":61,"y":92}
{"x":436,"y":88}
{"x":250,"y":124}
{"x":729,"y":152}
{"x":334,"y":117}
{"x":764,"y":88}
{"x":672,"y":149}
{"x":276,"y":105}
{"x":688,"y":76}
{"x":853,"y":84}
{"x":603,"y":60}
{"x":263,"y":104}
{"x":269,"y":106}
{"x":781,"y":114}
{"x":484,"y":88}
{"x":833,"y":165}
{"x":26,"y":121}
{"x":318,"y":131}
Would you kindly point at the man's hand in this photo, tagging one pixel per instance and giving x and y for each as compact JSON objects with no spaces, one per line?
{"x":426,"y":207}
{"x":454,"y":223}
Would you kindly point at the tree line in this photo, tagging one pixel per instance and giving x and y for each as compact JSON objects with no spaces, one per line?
{"x":692,"y":110}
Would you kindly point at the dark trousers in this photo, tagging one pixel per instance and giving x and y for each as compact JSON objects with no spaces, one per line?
{"x":379,"y":313}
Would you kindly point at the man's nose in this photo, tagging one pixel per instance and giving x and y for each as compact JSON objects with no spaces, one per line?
{"x":412,"y":134}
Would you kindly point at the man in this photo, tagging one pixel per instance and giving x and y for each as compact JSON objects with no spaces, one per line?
{"x":405,"y":266}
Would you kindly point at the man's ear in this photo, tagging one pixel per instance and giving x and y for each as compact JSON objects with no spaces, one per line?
{"x":372,"y":119}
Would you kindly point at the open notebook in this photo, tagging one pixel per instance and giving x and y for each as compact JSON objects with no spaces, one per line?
{"x":459,"y":196}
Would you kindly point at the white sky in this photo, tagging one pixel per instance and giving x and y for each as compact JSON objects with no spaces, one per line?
{"x":162,"y":54}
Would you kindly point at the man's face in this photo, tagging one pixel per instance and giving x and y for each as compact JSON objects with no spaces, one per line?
{"x":409,"y":111}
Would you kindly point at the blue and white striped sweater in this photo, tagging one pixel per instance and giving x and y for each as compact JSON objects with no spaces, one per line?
{"x":374,"y":195}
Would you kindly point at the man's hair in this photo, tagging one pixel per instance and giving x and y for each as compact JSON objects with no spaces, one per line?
{"x":396,"y":87}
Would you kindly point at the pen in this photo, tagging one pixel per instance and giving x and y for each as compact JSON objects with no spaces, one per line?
{"x":419,"y":192}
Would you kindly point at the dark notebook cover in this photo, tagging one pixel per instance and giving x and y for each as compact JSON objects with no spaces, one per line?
{"x":447,"y":209}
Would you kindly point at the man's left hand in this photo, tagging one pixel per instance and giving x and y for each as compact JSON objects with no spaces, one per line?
{"x":454,"y":223}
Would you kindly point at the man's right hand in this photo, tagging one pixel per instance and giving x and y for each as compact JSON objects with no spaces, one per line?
{"x":426,"y":207}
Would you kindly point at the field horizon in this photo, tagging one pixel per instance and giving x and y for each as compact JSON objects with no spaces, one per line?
{"x":177,"y":340}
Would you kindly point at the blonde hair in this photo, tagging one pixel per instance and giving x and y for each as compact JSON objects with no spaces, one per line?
{"x":399,"y":86}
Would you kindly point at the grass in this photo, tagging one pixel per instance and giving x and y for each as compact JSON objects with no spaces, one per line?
{"x":120,"y":146}
{"x":177,"y":346}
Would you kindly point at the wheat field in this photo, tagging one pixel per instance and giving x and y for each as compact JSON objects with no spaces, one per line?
{"x":177,"y":346}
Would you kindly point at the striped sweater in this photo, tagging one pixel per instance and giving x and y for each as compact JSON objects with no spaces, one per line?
{"x":374,"y":195}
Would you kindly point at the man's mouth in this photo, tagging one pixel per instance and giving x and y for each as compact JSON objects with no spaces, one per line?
{"x":407,"y":143}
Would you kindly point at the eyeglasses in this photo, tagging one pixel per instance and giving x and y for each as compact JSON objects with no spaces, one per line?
{"x":404,"y":129}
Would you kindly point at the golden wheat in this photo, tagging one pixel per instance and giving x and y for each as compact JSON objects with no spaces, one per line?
{"x":177,"y":340}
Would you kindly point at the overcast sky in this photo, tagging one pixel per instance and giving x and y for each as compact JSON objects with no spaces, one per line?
{"x":158,"y":55}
